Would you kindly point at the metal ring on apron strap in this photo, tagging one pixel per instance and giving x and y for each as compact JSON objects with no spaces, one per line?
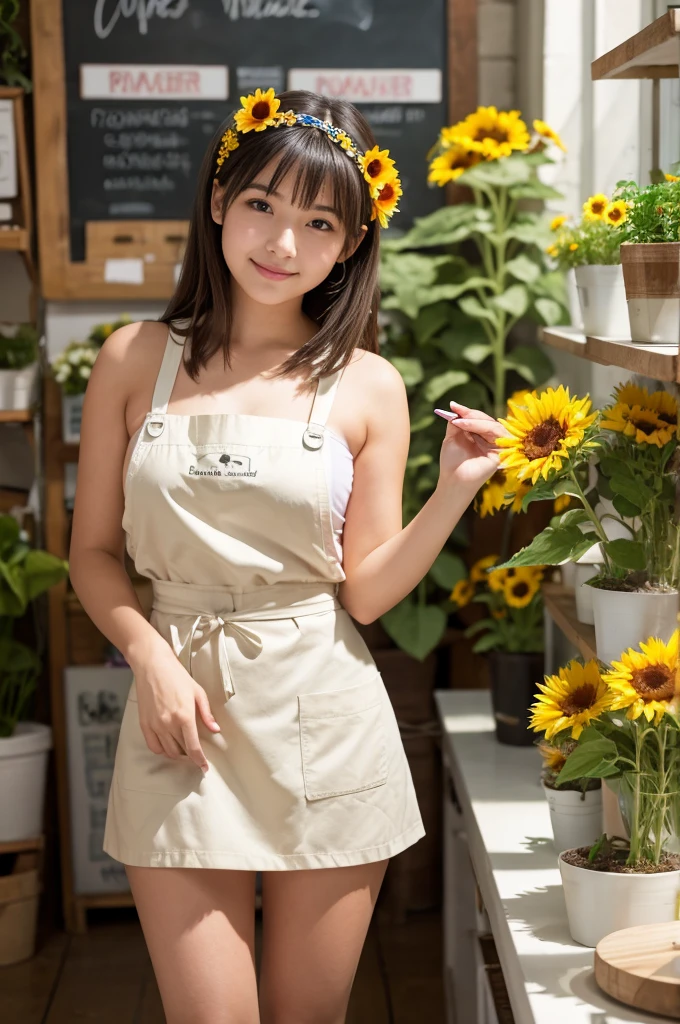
{"x":313,"y":437}
{"x":155,"y":426}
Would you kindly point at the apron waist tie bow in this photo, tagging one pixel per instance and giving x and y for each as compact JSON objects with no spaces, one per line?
{"x":207,"y":625}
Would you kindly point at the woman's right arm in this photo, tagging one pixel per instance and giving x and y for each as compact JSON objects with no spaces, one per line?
{"x":167,"y":694}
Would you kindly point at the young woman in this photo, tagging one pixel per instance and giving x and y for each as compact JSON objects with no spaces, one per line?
{"x":249,"y":451}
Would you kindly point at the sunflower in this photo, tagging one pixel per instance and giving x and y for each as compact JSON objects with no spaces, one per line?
{"x":519,"y":397}
{"x":558,"y":221}
{"x":616,"y":212}
{"x":644,"y":681}
{"x":452,"y":163}
{"x":643,"y":425}
{"x":665,"y":406}
{"x":522,"y":588}
{"x":501,"y":490}
{"x":572,"y":699}
{"x":499,"y":613}
{"x":497,"y":577}
{"x":594,"y":207}
{"x":478,"y":570}
{"x":671,"y":177}
{"x":546,"y":132}
{"x":258,"y":111}
{"x":385,"y":201}
{"x":554,"y":759}
{"x":632,"y":394}
{"x":462,"y":593}
{"x":378,"y":167}
{"x":543,"y":431}
{"x":562,"y":503}
{"x":496,"y":132}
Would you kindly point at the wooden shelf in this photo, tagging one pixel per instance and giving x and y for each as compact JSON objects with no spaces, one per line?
{"x":14,"y":239}
{"x":561,"y":604}
{"x":658,"y":361}
{"x":16,"y":415}
{"x":654,"y":52}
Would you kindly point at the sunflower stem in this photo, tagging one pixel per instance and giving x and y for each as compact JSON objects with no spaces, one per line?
{"x":595,"y":521}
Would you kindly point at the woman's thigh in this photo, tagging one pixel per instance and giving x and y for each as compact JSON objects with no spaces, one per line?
{"x":314,"y":924}
{"x":199,"y":926}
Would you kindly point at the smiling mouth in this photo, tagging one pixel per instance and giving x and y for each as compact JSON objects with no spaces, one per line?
{"x":272,"y":272}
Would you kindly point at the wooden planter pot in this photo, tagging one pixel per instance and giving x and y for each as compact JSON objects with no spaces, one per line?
{"x":651,"y":273}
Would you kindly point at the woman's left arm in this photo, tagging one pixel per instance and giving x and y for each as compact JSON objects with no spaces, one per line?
{"x":382,"y":561}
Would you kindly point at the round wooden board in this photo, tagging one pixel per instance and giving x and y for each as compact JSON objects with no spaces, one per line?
{"x":641,"y":967}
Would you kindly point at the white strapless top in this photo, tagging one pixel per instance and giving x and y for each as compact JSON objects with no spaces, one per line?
{"x":339,"y":465}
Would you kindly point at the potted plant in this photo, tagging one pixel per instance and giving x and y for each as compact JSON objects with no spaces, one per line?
{"x":576,"y":807}
{"x":592,"y":247}
{"x":18,"y":367}
{"x":553,"y":439}
{"x":13,"y":54}
{"x":24,"y":574}
{"x":72,"y":369}
{"x":650,"y":258}
{"x":631,"y":736}
{"x":512,"y":634}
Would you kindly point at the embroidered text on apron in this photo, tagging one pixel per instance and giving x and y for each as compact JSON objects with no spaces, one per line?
{"x":229,"y":516}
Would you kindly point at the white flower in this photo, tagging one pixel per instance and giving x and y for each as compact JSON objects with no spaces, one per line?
{"x":85,"y":371}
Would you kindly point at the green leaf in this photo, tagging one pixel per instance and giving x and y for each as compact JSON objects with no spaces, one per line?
{"x":499,"y":173}
{"x":523,"y":269}
{"x":594,"y":760}
{"x":515,"y":300}
{"x":477,"y":352}
{"x":447,"y":569}
{"x":550,"y":312}
{"x":541,"y":491}
{"x":478,"y":627}
{"x":574,"y":516}
{"x":534,"y":189}
{"x":626,"y":509}
{"x":42,"y":571}
{"x":417,"y":461}
{"x":430,"y":321}
{"x":445,"y":226}
{"x":486,"y":643}
{"x":632,"y":488}
{"x":415,"y":628}
{"x":552,"y":546}
{"x":411,"y":369}
{"x":531,"y":363}
{"x":471,"y":306}
{"x":443,"y":382}
{"x":628,"y":554}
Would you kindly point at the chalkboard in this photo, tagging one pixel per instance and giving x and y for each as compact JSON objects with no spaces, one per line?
{"x":149,"y":81}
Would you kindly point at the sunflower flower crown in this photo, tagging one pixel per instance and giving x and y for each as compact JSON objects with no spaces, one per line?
{"x":261,"y":111}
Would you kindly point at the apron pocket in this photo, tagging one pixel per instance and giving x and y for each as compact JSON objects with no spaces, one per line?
{"x":142,"y":771}
{"x":342,"y":738}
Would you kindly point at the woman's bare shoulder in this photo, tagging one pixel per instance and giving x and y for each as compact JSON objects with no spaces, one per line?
{"x":127,"y":367}
{"x":134,"y":346}
{"x":375,"y":376}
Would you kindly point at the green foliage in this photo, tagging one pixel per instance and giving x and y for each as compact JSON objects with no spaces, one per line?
{"x":587,"y":243}
{"x":13,"y":54}
{"x":653,"y":211}
{"x":19,"y":350}
{"x":24,"y":574}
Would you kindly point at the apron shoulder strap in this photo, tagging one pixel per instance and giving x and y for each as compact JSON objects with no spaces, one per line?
{"x":323,"y":399}
{"x":172,"y":357}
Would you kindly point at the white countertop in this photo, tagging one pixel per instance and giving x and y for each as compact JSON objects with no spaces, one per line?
{"x":549,"y":977}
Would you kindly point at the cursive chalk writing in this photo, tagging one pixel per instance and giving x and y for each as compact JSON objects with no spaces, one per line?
{"x":107,"y":14}
{"x":258,"y":9}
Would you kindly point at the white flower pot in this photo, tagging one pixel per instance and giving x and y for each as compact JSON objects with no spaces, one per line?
{"x":71,"y":415}
{"x":23,"y":770}
{"x":575,"y":821}
{"x":601,"y":902}
{"x":624,"y":620}
{"x":568,"y":574}
{"x":583,"y":594}
{"x":654,"y":320}
{"x":18,"y":388}
{"x":602,"y":296}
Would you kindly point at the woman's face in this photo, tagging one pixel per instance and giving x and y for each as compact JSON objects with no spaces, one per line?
{"x":277,"y":251}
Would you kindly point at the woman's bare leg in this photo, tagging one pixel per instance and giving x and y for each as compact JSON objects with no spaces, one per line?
{"x":199,"y":926}
{"x":314,"y":924}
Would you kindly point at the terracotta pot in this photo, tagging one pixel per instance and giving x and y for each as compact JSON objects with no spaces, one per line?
{"x":651,"y":273}
{"x":513,"y":685}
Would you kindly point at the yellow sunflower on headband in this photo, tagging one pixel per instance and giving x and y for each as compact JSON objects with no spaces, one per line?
{"x":258,"y":111}
{"x":385,"y":201}
{"x":378,"y":167}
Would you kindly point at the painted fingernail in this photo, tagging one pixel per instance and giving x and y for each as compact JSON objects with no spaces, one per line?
{"x":450,"y":416}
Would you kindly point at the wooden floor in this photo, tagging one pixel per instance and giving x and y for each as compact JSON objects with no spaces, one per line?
{"x":105,"y":977}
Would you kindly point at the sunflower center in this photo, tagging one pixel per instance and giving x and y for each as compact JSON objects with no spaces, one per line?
{"x":668,"y":417}
{"x":260,"y":110}
{"x":654,"y":682}
{"x":597,"y":207}
{"x":644,"y":426}
{"x":374,"y":168}
{"x":497,"y":134}
{"x":615,"y":215}
{"x":543,"y":439}
{"x":520,"y":589}
{"x":580,"y":699}
{"x":386,"y":193}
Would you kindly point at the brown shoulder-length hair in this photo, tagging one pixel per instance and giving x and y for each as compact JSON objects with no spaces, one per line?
{"x":345,"y":306}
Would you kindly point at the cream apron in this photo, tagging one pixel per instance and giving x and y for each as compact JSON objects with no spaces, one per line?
{"x":229,"y":516}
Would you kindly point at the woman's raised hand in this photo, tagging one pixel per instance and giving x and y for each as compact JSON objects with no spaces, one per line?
{"x":168,"y":699}
{"x":469,"y":453}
